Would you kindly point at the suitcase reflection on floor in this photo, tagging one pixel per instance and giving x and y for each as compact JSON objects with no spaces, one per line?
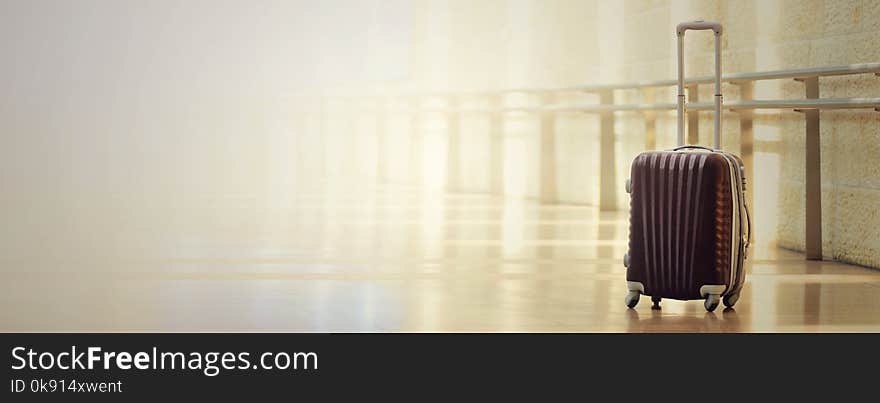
{"x":727,"y":320}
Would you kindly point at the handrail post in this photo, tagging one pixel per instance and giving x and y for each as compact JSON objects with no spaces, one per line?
{"x":650,"y":120}
{"x":608,"y":185}
{"x":747,"y":140}
{"x":416,"y":142}
{"x":496,"y":144}
{"x":301,"y":128}
{"x":547,"y":153}
{"x":381,"y":139}
{"x":453,"y":143}
{"x":323,"y":135}
{"x":350,"y":115}
{"x":693,"y":115}
{"x":812,"y":176}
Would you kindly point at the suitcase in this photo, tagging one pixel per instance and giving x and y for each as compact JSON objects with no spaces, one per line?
{"x":689,"y":223}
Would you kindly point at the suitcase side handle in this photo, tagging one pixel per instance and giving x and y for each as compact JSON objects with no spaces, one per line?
{"x":692,"y":146}
{"x":680,"y":30}
{"x":748,"y":240}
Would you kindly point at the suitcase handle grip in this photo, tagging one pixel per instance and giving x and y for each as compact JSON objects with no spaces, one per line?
{"x":698,"y":25}
{"x":680,"y":30}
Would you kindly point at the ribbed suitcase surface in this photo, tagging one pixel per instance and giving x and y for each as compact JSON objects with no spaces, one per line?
{"x":680,"y":222}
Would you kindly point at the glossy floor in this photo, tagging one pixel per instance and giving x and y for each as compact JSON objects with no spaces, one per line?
{"x":383,"y":260}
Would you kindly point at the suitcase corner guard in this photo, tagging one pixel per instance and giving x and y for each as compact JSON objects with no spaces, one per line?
{"x":635,"y":286}
{"x":712,"y":289}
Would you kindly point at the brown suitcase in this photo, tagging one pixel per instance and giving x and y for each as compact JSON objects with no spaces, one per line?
{"x":689,"y":222}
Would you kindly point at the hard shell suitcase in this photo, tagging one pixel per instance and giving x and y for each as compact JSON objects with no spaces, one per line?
{"x":689,"y":222}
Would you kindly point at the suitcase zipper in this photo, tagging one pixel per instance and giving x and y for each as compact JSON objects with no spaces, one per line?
{"x":736,"y":225}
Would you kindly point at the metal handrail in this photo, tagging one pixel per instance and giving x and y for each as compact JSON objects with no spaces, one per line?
{"x":798,"y":104}
{"x":842,"y":70}
{"x":795,"y":104}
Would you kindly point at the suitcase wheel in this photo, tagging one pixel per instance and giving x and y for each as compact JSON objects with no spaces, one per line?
{"x":632,"y":299}
{"x":656,"y":301}
{"x":730,"y":300}
{"x":712,"y":301}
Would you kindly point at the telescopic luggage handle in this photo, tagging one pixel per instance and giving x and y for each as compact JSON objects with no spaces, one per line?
{"x":680,"y":30}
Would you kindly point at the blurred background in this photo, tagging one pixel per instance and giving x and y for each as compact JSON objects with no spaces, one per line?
{"x":215,"y":138}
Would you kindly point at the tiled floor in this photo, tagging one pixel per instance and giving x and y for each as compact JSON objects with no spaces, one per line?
{"x":384,"y":260}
